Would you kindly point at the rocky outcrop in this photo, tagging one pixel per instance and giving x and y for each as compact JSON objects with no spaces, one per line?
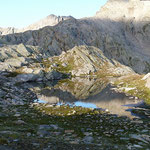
{"x":25,"y":63}
{"x":13,"y":56}
{"x":88,"y":60}
{"x":30,"y":63}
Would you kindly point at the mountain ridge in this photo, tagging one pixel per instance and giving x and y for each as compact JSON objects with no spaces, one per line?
{"x":125,"y":39}
{"x":50,"y":20}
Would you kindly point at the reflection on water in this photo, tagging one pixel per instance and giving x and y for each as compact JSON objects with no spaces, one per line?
{"x":84,"y":104}
{"x":94,"y":93}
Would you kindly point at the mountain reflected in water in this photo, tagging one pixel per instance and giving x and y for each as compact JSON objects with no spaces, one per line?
{"x":93,"y":93}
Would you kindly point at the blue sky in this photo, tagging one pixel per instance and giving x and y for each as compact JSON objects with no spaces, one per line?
{"x":21,"y":13}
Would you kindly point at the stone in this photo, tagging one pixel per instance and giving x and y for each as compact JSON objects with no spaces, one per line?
{"x":27,"y":70}
{"x":54,"y":65}
{"x":55,"y":127}
{"x":43,"y":133}
{"x":17,"y":115}
{"x":69,"y":131}
{"x":64,"y":65}
{"x":137,"y":146}
{"x":142,"y":138}
{"x":14,"y":62}
{"x":87,"y":60}
{"x":25,"y":78}
{"x":41,"y":127}
{"x":88,"y":139}
{"x":88,"y":133}
{"x":4,"y":147}
{"x":146,"y":78}
{"x":53,"y":75}
{"x":2,"y":93}
{"x":20,"y":122}
{"x":21,"y":49}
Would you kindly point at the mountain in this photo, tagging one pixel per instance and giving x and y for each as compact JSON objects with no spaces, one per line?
{"x":120,"y":29}
{"x":50,"y":20}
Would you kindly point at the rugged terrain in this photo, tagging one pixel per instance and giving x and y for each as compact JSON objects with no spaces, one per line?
{"x":29,"y":63}
{"x":110,"y":49}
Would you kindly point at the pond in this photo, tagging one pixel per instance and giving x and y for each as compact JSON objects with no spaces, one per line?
{"x":89,"y":93}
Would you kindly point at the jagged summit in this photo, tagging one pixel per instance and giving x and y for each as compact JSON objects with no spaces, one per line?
{"x":50,"y":20}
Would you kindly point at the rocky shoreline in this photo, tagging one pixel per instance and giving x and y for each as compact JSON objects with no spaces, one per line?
{"x":29,"y":125}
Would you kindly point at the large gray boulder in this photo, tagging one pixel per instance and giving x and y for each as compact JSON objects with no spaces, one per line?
{"x":2,"y":93}
{"x":54,"y":75}
{"x":25,"y":78}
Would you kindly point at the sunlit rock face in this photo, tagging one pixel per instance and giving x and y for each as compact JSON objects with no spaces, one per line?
{"x":124,"y":9}
{"x":89,"y":60}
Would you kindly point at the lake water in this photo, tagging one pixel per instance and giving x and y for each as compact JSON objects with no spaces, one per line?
{"x":90,"y":93}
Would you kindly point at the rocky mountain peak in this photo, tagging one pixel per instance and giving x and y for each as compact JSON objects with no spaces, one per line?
{"x":50,"y":20}
{"x":125,"y":9}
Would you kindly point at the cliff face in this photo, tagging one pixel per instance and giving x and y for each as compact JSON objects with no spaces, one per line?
{"x":131,"y":18}
{"x":120,"y":29}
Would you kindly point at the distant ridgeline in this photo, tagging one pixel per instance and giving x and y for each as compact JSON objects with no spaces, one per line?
{"x":50,"y":20}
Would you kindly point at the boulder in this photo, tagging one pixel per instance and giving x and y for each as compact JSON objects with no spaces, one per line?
{"x":25,"y":78}
{"x":27,"y":70}
{"x":53,"y":75}
{"x":146,"y":78}
{"x":16,"y":62}
{"x":2,"y":93}
{"x":21,"y":49}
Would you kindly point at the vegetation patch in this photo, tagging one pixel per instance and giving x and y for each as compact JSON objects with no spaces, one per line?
{"x":42,"y":126}
{"x":133,"y":85}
